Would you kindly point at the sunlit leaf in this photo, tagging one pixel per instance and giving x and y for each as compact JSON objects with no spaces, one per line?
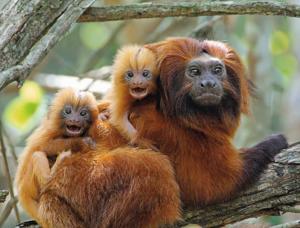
{"x":19,"y":112}
{"x":31,"y":91}
{"x":93,"y":35}
{"x":279,"y":42}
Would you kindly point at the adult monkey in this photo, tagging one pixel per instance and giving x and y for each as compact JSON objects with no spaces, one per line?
{"x":204,"y":117}
{"x":203,"y":92}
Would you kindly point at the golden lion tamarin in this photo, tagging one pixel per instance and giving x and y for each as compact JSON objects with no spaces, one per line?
{"x":203,"y":92}
{"x":66,"y":127}
{"x":134,"y":79}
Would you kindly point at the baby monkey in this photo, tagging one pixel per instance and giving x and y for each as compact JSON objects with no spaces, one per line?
{"x":134,"y":78}
{"x":67,"y":127}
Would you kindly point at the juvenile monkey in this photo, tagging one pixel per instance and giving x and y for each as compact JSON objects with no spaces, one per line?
{"x":134,"y":78}
{"x":66,"y":127}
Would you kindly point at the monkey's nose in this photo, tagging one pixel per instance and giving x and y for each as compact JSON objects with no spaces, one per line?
{"x":137,"y":83}
{"x":208,"y":83}
{"x":73,"y":122}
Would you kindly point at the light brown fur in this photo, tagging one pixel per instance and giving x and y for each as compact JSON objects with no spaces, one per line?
{"x":132,"y":58}
{"x":33,"y":170}
{"x":125,"y":187}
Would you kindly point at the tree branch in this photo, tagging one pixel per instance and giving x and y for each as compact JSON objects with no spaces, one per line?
{"x":191,"y":9}
{"x":29,"y":29}
{"x":278,"y":188}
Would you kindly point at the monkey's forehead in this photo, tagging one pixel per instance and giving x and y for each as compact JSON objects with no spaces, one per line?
{"x":206,"y":58}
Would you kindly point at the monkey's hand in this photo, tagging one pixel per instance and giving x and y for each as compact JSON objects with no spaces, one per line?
{"x":41,"y":167}
{"x":60,"y":158}
{"x":143,"y":143}
{"x":88,"y":141}
{"x":104,"y":115}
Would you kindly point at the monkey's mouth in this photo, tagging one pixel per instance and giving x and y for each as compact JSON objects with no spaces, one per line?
{"x":138,"y":92}
{"x":74,"y":130}
{"x":207,"y":99}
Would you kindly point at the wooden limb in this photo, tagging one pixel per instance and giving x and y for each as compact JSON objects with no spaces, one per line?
{"x":7,"y":174}
{"x":191,"y":9}
{"x":12,"y":203}
{"x":292,"y":224}
{"x":277,"y":189}
{"x":29,"y":29}
{"x":3,"y":195}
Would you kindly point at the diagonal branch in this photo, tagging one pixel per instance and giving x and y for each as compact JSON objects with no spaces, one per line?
{"x":191,"y":9}
{"x":35,"y":28}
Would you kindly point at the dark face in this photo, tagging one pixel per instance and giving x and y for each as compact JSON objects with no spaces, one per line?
{"x":140,"y":83}
{"x":76,"y":121}
{"x":206,"y":74}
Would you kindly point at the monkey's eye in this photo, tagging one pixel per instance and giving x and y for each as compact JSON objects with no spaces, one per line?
{"x":129,"y":74}
{"x":68,"y":110}
{"x":194,"y":72}
{"x":83,"y":113}
{"x":217,"y":69}
{"x":146,"y":73}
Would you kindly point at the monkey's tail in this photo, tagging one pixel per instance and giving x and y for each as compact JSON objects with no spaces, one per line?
{"x":257,"y":158}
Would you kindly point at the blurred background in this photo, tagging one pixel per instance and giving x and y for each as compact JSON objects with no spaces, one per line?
{"x":269,"y":47}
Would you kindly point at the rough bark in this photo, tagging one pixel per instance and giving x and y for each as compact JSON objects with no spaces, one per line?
{"x":191,"y":9}
{"x":3,"y":195}
{"x":29,"y":29}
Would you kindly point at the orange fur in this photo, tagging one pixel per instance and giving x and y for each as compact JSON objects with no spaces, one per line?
{"x":199,"y":141}
{"x":114,"y":186}
{"x":119,"y":186}
{"x":33,"y":170}
{"x":136,"y":59}
{"x":125,"y":187}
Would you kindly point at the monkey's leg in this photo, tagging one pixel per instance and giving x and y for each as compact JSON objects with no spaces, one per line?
{"x":257,"y":158}
{"x":55,"y":211}
{"x":41,"y":167}
{"x":29,"y":204}
{"x":139,"y":190}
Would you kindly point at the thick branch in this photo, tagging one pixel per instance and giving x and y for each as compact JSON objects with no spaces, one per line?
{"x":3,"y":194}
{"x":191,"y":9}
{"x":29,"y":29}
{"x":277,"y":189}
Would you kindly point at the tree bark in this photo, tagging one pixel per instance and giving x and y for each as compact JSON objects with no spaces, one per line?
{"x":3,"y":195}
{"x":276,"y":192}
{"x":29,"y":29}
{"x":191,"y":9}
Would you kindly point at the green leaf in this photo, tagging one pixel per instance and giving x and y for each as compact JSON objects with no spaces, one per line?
{"x":20,"y":111}
{"x":279,"y":42}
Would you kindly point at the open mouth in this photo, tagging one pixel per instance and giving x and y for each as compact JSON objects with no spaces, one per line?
{"x":138,"y":92}
{"x":74,"y":130}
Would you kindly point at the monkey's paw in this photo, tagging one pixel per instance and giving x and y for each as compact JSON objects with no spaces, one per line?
{"x":63,"y":155}
{"x":104,"y":115}
{"x":89,"y":142}
{"x":143,"y":144}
